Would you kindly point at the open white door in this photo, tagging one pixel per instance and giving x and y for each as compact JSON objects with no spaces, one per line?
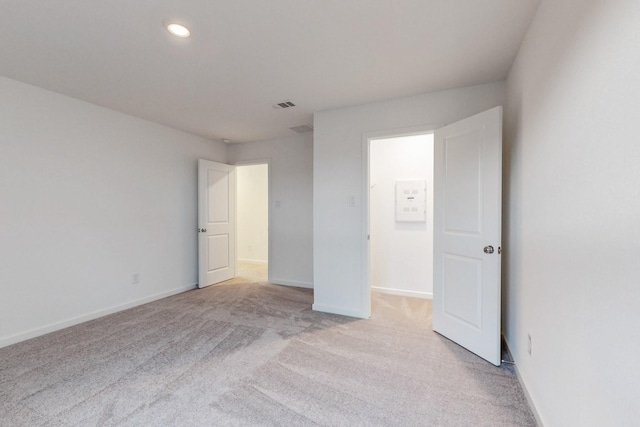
{"x":216,"y":223}
{"x":467,"y":234}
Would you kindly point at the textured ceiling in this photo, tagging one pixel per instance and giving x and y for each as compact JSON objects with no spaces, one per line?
{"x":245,"y":55}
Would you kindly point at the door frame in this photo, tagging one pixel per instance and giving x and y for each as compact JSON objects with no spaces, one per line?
{"x":367,"y":137}
{"x":265,"y":161}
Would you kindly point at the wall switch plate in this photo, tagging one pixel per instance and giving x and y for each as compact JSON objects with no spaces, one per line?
{"x":135,"y":278}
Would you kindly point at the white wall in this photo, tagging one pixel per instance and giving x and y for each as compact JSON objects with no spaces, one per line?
{"x":290,"y":211}
{"x":572,"y":222}
{"x":252,"y":213}
{"x":401,"y":253}
{"x":339,"y":235}
{"x":89,"y":196}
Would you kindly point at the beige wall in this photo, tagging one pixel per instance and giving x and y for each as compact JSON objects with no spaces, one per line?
{"x":88,"y":197}
{"x":572,"y":223}
{"x":339,"y":235}
{"x":291,"y":202}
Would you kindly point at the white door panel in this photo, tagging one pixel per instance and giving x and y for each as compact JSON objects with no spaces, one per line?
{"x":462,"y":195}
{"x":216,"y":222}
{"x":463,"y":293}
{"x":467,"y":218}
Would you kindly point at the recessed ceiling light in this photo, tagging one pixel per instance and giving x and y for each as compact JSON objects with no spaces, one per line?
{"x":178,"y":30}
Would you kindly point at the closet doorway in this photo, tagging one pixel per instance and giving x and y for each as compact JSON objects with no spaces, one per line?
{"x":401,"y":215}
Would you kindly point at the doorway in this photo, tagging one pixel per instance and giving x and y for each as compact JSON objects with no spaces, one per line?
{"x":252,"y":221}
{"x":467,"y":184}
{"x":401,"y":215}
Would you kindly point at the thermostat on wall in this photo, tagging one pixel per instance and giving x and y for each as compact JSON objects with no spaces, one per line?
{"x":411,"y":201}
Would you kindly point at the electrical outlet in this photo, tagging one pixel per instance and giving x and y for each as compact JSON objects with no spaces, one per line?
{"x":135,"y":278}
{"x":529,"y":344}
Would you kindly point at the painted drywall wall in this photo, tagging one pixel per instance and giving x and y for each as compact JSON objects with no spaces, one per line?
{"x":290,"y":204}
{"x":89,"y":197}
{"x":401,"y":253}
{"x":339,"y":237}
{"x":252,"y":203}
{"x":572,"y":229}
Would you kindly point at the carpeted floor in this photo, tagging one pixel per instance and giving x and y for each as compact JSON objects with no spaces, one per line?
{"x":255,"y":354}
{"x":251,"y":272}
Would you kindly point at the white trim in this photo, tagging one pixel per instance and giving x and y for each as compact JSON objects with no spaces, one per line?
{"x":264,"y":161}
{"x":402,"y":132}
{"x":292,"y":283}
{"x":338,"y":310}
{"x":532,"y":406}
{"x":366,"y":246}
{"x":253,"y":261}
{"x":401,"y":292}
{"x":52,"y":327}
{"x":367,"y":137}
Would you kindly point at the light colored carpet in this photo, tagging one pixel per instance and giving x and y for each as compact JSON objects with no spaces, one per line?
{"x":255,"y":354}
{"x":251,"y":272}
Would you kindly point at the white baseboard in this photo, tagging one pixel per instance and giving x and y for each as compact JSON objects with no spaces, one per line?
{"x":532,"y":406}
{"x":338,"y":310}
{"x":52,"y":327}
{"x":401,"y":292}
{"x":293,"y":283}
{"x":253,"y":261}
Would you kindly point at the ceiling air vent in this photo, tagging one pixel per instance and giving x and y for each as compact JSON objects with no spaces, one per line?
{"x":283,"y":104}
{"x":302,"y":128}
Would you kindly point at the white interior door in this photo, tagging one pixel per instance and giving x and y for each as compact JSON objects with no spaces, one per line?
{"x":216,"y":223}
{"x":467,"y":221}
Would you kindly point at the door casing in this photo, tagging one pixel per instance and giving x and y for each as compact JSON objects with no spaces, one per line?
{"x":366,"y":147}
{"x":366,"y":163}
{"x":269,"y":208}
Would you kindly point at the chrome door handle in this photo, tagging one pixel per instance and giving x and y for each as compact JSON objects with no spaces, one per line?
{"x":488,"y":249}
{"x":202,"y":230}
